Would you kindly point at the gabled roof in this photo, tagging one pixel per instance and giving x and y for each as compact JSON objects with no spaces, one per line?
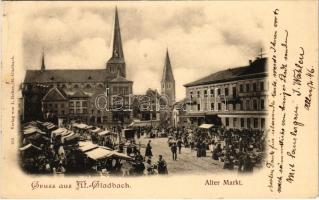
{"x":67,"y":75}
{"x":120,"y":79}
{"x":78,"y":94}
{"x":256,"y":69}
{"x":55,"y":94}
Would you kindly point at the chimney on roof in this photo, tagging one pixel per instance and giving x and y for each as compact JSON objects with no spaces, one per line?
{"x":250,"y":62}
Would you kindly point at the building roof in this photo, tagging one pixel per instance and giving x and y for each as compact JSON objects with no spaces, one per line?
{"x":120,"y":79}
{"x":78,"y":94}
{"x":256,"y":69}
{"x":55,"y":94}
{"x":67,"y":75}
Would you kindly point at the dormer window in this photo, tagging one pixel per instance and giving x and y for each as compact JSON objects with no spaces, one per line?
{"x":52,"y":78}
{"x":89,"y":77}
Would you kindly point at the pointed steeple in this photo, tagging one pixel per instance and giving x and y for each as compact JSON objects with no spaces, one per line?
{"x":117,"y":40}
{"x":42,"y":61}
{"x":167,"y":71}
{"x":117,"y":61}
{"x":168,"y":81}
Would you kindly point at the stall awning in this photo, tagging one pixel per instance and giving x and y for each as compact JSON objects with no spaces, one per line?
{"x":99,"y":153}
{"x":87,"y":146}
{"x":138,"y":123}
{"x":32,"y":130}
{"x":51,"y":126}
{"x":29,"y":146}
{"x":59,"y":130}
{"x":89,"y":127}
{"x":95,"y":130}
{"x":70,"y":136}
{"x":80,"y":126}
{"x":121,"y":155}
{"x":29,"y":126}
{"x":206,"y":126}
{"x":106,"y":132}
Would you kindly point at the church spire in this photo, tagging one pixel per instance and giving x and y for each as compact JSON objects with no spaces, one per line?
{"x":168,"y":81}
{"x":167,"y":71}
{"x":42,"y":61}
{"x":117,"y":62}
{"x":117,"y":40}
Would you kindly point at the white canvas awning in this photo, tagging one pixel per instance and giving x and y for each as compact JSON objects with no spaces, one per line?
{"x":95,"y":130}
{"x":32,"y":130}
{"x":121,"y":155}
{"x":70,"y":136}
{"x":99,"y":153}
{"x":87,"y":146}
{"x":104,"y":133}
{"x":206,"y":126}
{"x":29,"y":146}
{"x":59,"y":130}
{"x":81,"y":126}
{"x":50,"y":126}
{"x":29,"y":126}
{"x":139,"y":123}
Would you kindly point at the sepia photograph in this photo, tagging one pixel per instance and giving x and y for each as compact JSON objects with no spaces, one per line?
{"x":159,"y":99}
{"x":123,"y":97}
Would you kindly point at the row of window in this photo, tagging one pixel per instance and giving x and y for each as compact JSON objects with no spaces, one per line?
{"x":62,"y":105}
{"x":77,"y":104}
{"x":249,"y":105}
{"x":76,"y":86}
{"x":252,"y":87}
{"x":248,"y":87}
{"x":78,"y":111}
{"x":121,"y":90}
{"x":71,"y":111}
{"x":250,"y":122}
{"x":53,"y":105}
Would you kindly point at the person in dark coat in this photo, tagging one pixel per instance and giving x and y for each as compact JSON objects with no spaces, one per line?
{"x":198,"y":149}
{"x":179,"y":145}
{"x":216,"y":152}
{"x":138,"y":157}
{"x":174,"y":150}
{"x":148,"y":150}
{"x":161,"y":165}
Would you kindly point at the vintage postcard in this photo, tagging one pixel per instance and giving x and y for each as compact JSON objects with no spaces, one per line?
{"x":159,"y":99}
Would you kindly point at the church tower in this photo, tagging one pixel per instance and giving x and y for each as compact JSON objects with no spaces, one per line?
{"x":168,"y":81}
{"x":117,"y":63}
{"x":42,"y":62}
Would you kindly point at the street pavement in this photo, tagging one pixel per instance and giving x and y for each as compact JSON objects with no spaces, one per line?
{"x":187,"y":161}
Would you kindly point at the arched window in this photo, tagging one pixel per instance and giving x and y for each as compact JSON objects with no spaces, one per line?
{"x":76,"y":86}
{"x":88,"y":86}
{"x":100,"y":86}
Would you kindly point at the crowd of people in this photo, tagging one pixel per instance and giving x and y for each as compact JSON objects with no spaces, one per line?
{"x":46,"y":151}
{"x":233,"y":149}
{"x":241,"y":149}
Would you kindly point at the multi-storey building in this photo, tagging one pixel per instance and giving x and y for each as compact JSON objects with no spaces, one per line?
{"x":81,"y":90}
{"x":233,"y":98}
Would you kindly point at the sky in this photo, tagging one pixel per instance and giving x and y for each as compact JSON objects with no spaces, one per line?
{"x":201,"y":38}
